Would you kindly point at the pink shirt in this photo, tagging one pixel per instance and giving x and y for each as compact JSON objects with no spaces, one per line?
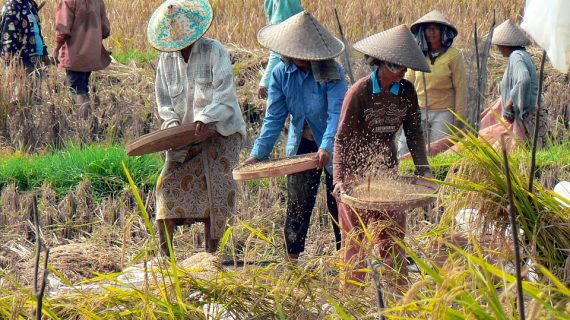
{"x":81,"y":26}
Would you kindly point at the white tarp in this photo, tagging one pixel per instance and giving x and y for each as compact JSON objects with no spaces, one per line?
{"x":548,"y":23}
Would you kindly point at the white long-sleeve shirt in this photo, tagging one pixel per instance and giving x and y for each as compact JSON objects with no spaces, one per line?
{"x":201,"y":90}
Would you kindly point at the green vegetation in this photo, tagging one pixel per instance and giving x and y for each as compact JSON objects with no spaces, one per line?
{"x":101,"y":164}
{"x":557,"y":155}
{"x":139,"y":57}
{"x":478,"y":180}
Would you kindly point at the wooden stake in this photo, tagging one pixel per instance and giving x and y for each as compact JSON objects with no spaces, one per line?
{"x":515,"y":229}
{"x":346,"y":54}
{"x":537,"y":121}
{"x":373,"y":265}
{"x":38,"y":292}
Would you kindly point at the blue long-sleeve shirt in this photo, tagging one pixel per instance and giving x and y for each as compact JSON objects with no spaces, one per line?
{"x":295,"y":93}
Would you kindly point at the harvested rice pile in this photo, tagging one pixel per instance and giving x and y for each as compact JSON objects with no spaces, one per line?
{"x":78,"y":261}
{"x":388,"y":189}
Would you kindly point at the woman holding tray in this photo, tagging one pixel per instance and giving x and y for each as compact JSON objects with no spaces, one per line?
{"x":307,"y":87}
{"x":195,"y":84}
{"x":374,"y":109}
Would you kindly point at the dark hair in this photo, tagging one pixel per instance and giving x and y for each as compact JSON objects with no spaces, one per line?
{"x":512,"y":48}
{"x":372,"y":61}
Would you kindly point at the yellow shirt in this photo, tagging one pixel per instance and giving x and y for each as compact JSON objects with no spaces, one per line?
{"x":446,"y":84}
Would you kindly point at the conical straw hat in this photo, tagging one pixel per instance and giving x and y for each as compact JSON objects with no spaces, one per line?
{"x":509,"y":34}
{"x":301,"y":37}
{"x":433,"y":17}
{"x":176,"y":24}
{"x":396,"y":45}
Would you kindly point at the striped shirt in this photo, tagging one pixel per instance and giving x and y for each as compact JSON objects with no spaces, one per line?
{"x":201,"y":90}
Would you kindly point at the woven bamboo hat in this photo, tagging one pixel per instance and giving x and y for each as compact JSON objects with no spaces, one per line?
{"x":396,"y":45}
{"x":433,"y":17}
{"x":509,"y":34}
{"x":176,"y":24}
{"x":301,"y":37}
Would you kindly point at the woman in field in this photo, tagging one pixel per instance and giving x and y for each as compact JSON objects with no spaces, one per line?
{"x":195,"y":84}
{"x":444,"y":89}
{"x":307,"y":89}
{"x":80,"y":28}
{"x":374,"y":109}
{"x":519,"y":87}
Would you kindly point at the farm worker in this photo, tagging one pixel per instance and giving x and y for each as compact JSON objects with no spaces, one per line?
{"x":308,"y":86}
{"x":519,"y":86}
{"x":277,"y":11}
{"x":374,"y":109}
{"x":21,"y":36}
{"x":445,"y":87}
{"x":195,"y":84}
{"x":80,"y":27}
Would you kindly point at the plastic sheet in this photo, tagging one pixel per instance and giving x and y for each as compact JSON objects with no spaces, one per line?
{"x":548,"y":23}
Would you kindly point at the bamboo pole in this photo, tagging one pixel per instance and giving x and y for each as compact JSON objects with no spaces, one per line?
{"x":515,"y":229}
{"x":39,"y":292}
{"x":479,"y":91}
{"x":537,"y":121}
{"x":428,"y":130}
{"x":346,"y":54}
{"x":373,"y":265}
{"x":482,"y":81}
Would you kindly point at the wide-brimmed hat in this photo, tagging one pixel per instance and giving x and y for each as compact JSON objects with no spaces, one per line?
{"x":509,"y":34}
{"x":301,"y":37}
{"x":176,"y":24}
{"x":433,"y":17}
{"x":396,"y":45}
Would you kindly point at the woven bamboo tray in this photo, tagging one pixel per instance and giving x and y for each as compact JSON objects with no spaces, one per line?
{"x":391,"y":193}
{"x":165,"y":139}
{"x":277,"y":167}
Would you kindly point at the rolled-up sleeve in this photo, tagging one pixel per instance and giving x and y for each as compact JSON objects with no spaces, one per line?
{"x":64,"y":18}
{"x":275,"y":117}
{"x":335,"y":97}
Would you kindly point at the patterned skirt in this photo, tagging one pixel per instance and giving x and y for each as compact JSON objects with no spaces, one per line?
{"x":202,"y":188}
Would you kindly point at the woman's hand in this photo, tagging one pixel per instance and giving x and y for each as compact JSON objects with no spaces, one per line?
{"x":262,"y":92}
{"x":338,"y":190}
{"x":250,"y":160}
{"x":56,"y":55}
{"x":173,"y":124}
{"x":508,"y":114}
{"x":324,"y":158}
{"x":200,"y":129}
